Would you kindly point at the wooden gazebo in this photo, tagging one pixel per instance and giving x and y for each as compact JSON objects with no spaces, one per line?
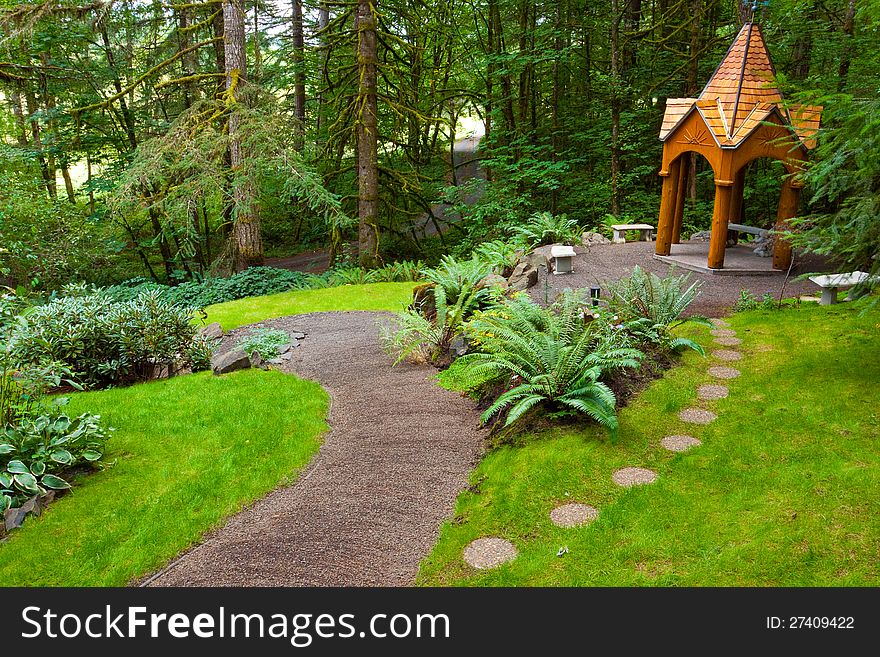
{"x":739,"y":117}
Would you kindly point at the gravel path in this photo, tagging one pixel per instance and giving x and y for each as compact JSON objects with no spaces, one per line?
{"x":369,"y":507}
{"x":610,"y":262}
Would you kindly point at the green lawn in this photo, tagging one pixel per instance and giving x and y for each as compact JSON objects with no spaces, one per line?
{"x":375,"y":296}
{"x":784,"y":491}
{"x":189,"y":452}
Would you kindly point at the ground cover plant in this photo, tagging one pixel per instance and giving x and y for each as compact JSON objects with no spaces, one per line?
{"x":375,"y":296}
{"x":782,"y":492}
{"x":185,"y":455}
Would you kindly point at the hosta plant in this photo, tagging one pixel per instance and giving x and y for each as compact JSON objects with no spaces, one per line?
{"x":37,"y":450}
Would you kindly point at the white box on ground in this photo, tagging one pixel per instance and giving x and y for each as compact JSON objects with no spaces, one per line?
{"x":562,"y":256}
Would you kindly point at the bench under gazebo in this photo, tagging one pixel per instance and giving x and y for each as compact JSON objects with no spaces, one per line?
{"x":739,"y":117}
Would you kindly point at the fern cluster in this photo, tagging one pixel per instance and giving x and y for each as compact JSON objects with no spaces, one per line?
{"x":546,"y":228}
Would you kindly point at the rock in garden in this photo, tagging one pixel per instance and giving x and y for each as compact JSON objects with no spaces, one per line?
{"x":287,"y":356}
{"x":458,"y":346}
{"x":523,"y":277}
{"x":14,"y":517}
{"x":296,"y":335}
{"x":212,"y":331}
{"x":701,"y":236}
{"x":256,"y":359}
{"x":589,"y":239}
{"x":283,"y":349}
{"x":763,"y":246}
{"x":234,"y":359}
{"x":274,"y":361}
{"x":493,"y":281}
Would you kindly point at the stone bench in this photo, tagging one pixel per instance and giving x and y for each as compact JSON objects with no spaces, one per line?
{"x":831,"y":283}
{"x":740,"y":228}
{"x":620,"y":231}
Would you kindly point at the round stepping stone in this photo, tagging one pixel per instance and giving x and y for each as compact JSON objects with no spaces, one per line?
{"x":710,"y":391}
{"x":573,"y":515}
{"x":696,"y":416}
{"x":724,"y":372}
{"x":628,"y":477}
{"x":726,"y":354}
{"x":727,"y":342}
{"x":679,"y":443}
{"x":723,"y":333}
{"x":717,"y":321}
{"x":490,"y":552}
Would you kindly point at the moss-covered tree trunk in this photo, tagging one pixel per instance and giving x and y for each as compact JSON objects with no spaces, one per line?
{"x":247,"y":243}
{"x":367,"y":127}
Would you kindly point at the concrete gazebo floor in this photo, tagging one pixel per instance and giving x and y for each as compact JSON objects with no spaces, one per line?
{"x":739,"y":260}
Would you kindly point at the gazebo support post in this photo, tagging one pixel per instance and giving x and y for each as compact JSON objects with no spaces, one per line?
{"x":789,"y":200}
{"x":680,"y":196}
{"x":736,"y":197}
{"x":720,"y":219}
{"x":667,"y":208}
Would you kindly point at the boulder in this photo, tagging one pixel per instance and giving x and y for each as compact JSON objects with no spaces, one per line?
{"x":523,"y":277}
{"x":493,"y":281}
{"x":458,"y":346}
{"x":701,"y":236}
{"x":256,"y":359}
{"x":589,"y":239}
{"x":540,"y":257}
{"x":764,"y":246}
{"x":234,"y":359}
{"x":296,"y":335}
{"x":212,"y":331}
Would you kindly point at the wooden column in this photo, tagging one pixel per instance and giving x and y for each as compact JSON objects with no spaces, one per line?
{"x":680,"y":197}
{"x":720,"y":218}
{"x":667,"y":208}
{"x":736,"y":198}
{"x":789,"y":200}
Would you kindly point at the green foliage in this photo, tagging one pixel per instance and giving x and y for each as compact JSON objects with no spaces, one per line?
{"x":106,"y":342}
{"x":546,"y":228}
{"x":548,"y":355}
{"x":502,"y":255}
{"x":844,"y":180}
{"x":264,"y":341}
{"x":36,"y":450}
{"x":651,"y":306}
{"x":458,"y":278}
{"x":749,"y":301}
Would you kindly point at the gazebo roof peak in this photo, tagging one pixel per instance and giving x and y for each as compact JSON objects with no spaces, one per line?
{"x":744,"y":79}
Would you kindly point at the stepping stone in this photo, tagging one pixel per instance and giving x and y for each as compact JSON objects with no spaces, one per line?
{"x":727,"y":342}
{"x":724,"y":372}
{"x":723,"y":333}
{"x":628,"y":477}
{"x":679,"y":443}
{"x":490,"y":552}
{"x":719,"y":322}
{"x":573,"y":515}
{"x":726,"y":354}
{"x":710,"y":391}
{"x":696,"y":416}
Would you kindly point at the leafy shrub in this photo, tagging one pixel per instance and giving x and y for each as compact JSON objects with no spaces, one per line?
{"x":749,"y":301}
{"x":501,"y":255}
{"x":546,"y":228}
{"x":36,"y":450}
{"x":265,"y":341}
{"x":550,"y":357}
{"x":106,"y":342}
{"x":650,"y":307}
{"x":429,"y":326}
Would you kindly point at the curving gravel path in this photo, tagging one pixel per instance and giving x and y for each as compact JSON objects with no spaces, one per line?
{"x":369,"y":506}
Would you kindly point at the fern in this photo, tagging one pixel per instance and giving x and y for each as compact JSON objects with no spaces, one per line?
{"x":546,"y":228}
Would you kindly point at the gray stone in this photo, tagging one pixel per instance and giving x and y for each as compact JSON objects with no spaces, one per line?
{"x":234,"y":359}
{"x":493,"y":281}
{"x":296,"y":335}
{"x":523,"y":277}
{"x":283,"y":349}
{"x":275,"y":361}
{"x":701,"y":236}
{"x":458,"y":346}
{"x":489,"y":552}
{"x":286,"y":356}
{"x":212,"y":331}
{"x":256,"y":359}
{"x":589,"y":239}
{"x":764,"y":246}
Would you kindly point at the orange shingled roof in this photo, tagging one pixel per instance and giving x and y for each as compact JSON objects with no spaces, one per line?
{"x":740,"y":95}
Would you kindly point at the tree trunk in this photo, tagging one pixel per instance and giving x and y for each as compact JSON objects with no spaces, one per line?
{"x":367,"y":125}
{"x":299,"y":73}
{"x":47,"y":173}
{"x":323,"y":22}
{"x":696,"y":11}
{"x":21,"y":136}
{"x":846,"y":55}
{"x":189,"y":60}
{"x":615,"y":107}
{"x":247,"y":243}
